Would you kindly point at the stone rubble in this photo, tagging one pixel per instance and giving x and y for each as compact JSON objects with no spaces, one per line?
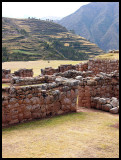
{"x":106,"y":104}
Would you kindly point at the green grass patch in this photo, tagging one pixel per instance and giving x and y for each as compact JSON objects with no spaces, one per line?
{"x":24,"y":52}
{"x":48,"y":122}
{"x":5,"y":85}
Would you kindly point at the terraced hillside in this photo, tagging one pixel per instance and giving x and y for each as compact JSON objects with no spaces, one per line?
{"x":33,"y":39}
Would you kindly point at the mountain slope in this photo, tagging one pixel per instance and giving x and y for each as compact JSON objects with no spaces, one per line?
{"x":97,"y":22}
{"x":32,"y":39}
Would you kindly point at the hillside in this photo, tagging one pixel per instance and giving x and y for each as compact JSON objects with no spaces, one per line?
{"x":97,"y":22}
{"x":33,"y":39}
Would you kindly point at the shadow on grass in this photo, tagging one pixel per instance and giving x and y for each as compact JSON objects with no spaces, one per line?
{"x":48,"y":122}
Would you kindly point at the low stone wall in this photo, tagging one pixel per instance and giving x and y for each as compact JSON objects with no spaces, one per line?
{"x":63,"y":68}
{"x":82,"y":66}
{"x":74,"y":73}
{"x":24,"y":72}
{"x":95,"y":65}
{"x":27,"y":103}
{"x":6,"y":73}
{"x":103,"y":85}
{"x":105,"y":104}
{"x":19,"y":81}
{"x":105,"y":66}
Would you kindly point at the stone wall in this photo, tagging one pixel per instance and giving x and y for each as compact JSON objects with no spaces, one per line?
{"x":82,"y":66}
{"x":21,"y":104}
{"x":105,"y":104}
{"x":56,"y":91}
{"x":22,"y":81}
{"x":74,"y":73}
{"x":19,"y":81}
{"x":6,"y":73}
{"x":63,"y":68}
{"x":95,"y":65}
{"x":105,"y":66}
{"x":102,"y":85}
{"x":24,"y":72}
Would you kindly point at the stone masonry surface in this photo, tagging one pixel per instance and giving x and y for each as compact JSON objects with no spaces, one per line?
{"x":95,"y":84}
{"x":21,"y":104}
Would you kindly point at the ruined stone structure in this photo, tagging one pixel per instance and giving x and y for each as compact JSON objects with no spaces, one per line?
{"x":63,"y":68}
{"x":94,"y":84}
{"x":32,"y":102}
{"x":6,"y":73}
{"x":24,"y":72}
{"x":102,"y":85}
{"x":96,"y":66}
{"x":105,"y":66}
{"x":113,"y":51}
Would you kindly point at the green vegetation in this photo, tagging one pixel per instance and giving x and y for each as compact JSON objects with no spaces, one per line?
{"x":5,"y":54}
{"x":108,"y":56}
{"x":33,"y":39}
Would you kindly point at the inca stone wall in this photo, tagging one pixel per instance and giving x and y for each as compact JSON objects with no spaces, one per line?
{"x":95,"y":65}
{"x":106,"y":104}
{"x":19,"y":81}
{"x":24,"y":72}
{"x":6,"y":73}
{"x":105,"y":66}
{"x":103,"y":86}
{"x":26,"y":103}
{"x":95,"y":84}
{"x":63,"y":68}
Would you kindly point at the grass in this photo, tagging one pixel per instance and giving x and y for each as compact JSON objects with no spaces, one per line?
{"x":5,"y":85}
{"x":25,"y":52}
{"x":75,"y":135}
{"x":108,"y":56}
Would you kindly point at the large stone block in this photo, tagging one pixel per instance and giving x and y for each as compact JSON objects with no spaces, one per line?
{"x":114,"y":110}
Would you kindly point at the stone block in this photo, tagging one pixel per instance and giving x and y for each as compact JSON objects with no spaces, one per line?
{"x":60,"y":112}
{"x":106,"y":107}
{"x":14,"y":121}
{"x":114,"y":110}
{"x":114,"y":102}
{"x":20,"y":116}
{"x":27,"y":115}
